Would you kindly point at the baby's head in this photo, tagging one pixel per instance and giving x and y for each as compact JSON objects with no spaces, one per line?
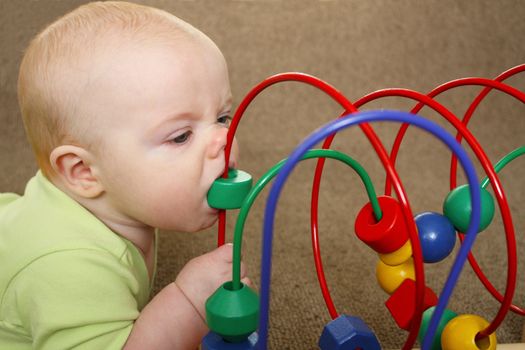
{"x":127,"y":105}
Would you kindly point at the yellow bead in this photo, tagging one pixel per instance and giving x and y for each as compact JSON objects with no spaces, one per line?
{"x":391,"y":277}
{"x":399,"y":256}
{"x":460,"y":334}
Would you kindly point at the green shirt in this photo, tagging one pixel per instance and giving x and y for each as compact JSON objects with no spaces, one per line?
{"x":66,"y":280}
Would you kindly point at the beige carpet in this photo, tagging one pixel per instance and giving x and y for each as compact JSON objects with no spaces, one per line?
{"x":359,"y":47}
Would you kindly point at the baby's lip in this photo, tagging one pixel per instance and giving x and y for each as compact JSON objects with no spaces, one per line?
{"x":231,"y":165}
{"x":220,"y":174}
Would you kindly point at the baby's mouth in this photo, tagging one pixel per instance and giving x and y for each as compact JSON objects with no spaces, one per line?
{"x":232,"y":165}
{"x":217,"y":191}
{"x":230,"y":192}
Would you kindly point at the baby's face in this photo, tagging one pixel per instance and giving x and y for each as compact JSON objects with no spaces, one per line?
{"x":163,"y":113}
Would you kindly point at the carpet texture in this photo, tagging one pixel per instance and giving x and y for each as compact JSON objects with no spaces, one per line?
{"x":359,"y":47}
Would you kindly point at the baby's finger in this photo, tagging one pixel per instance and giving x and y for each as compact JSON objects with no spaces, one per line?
{"x":225,"y":252}
{"x":243,"y":270}
{"x":247,"y":281}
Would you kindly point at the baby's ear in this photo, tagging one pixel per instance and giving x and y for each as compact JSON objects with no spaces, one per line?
{"x":73,"y":168}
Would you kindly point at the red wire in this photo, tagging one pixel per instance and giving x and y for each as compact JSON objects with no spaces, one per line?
{"x":240,"y":112}
{"x":503,"y":76}
{"x":453,"y":172}
{"x":315,"y":229}
{"x":505,"y":212}
{"x":221,"y":236}
{"x":393,"y":177}
{"x":231,"y":133}
{"x":509,"y":230}
{"x":380,"y":150}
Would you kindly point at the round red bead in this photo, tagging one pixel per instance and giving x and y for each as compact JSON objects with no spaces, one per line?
{"x":387,"y":235}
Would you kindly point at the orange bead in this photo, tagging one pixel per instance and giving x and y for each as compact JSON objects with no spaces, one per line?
{"x":391,"y":277}
{"x":460,"y":334}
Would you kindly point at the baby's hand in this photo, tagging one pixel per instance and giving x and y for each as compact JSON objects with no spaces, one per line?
{"x":202,"y":275}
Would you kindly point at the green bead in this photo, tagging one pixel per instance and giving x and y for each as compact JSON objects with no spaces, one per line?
{"x":425,"y":321}
{"x":233,"y":314}
{"x":457,"y":208}
{"x":230,"y":193}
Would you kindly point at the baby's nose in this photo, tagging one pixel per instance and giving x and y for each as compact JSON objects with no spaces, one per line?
{"x":217,"y":142}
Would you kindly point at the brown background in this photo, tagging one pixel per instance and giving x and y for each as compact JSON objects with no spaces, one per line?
{"x":359,"y":47}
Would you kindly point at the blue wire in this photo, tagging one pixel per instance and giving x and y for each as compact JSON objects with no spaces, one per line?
{"x":332,"y":128}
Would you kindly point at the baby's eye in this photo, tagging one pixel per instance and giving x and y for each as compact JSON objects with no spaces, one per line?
{"x":224,"y":119}
{"x":182,"y":138}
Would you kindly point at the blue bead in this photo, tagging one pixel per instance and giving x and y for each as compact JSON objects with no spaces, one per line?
{"x":437,"y":236}
{"x":348,"y":333}
{"x":213,"y":341}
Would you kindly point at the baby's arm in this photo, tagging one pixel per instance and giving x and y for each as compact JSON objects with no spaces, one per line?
{"x":87,"y":299}
{"x":174,"y":318}
{"x":169,"y":321}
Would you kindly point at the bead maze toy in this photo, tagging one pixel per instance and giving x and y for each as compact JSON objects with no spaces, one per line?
{"x":238,"y":318}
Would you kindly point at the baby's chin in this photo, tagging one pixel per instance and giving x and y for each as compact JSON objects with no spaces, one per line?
{"x":213,"y":218}
{"x":202,"y":227}
{"x":207,"y":208}
{"x":206,"y":218}
{"x":208,"y":221}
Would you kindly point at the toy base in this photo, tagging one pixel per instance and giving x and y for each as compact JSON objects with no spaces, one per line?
{"x":213,"y":341}
{"x":516,"y":346}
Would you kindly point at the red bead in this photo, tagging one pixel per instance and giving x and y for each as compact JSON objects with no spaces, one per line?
{"x":387,"y":235}
{"x":402,"y":303}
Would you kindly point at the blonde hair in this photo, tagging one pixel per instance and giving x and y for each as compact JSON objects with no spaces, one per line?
{"x":53,"y":70}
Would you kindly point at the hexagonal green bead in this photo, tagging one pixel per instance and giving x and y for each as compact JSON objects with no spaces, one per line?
{"x":233,"y":314}
{"x":458,"y":208}
{"x":230,"y":193}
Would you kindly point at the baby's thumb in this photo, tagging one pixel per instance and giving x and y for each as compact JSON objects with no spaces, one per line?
{"x":225,"y":252}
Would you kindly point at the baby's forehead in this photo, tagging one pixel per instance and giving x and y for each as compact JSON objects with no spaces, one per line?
{"x":104,"y":57}
{"x":117,"y":45}
{"x":116,"y":61}
{"x":111,"y":54}
{"x":146,"y":70}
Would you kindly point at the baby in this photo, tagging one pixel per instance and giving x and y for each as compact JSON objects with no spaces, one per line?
{"x":127,"y":110}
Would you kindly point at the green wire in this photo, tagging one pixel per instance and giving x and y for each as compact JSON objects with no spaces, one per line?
{"x":504,"y":161}
{"x":269,"y":175}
